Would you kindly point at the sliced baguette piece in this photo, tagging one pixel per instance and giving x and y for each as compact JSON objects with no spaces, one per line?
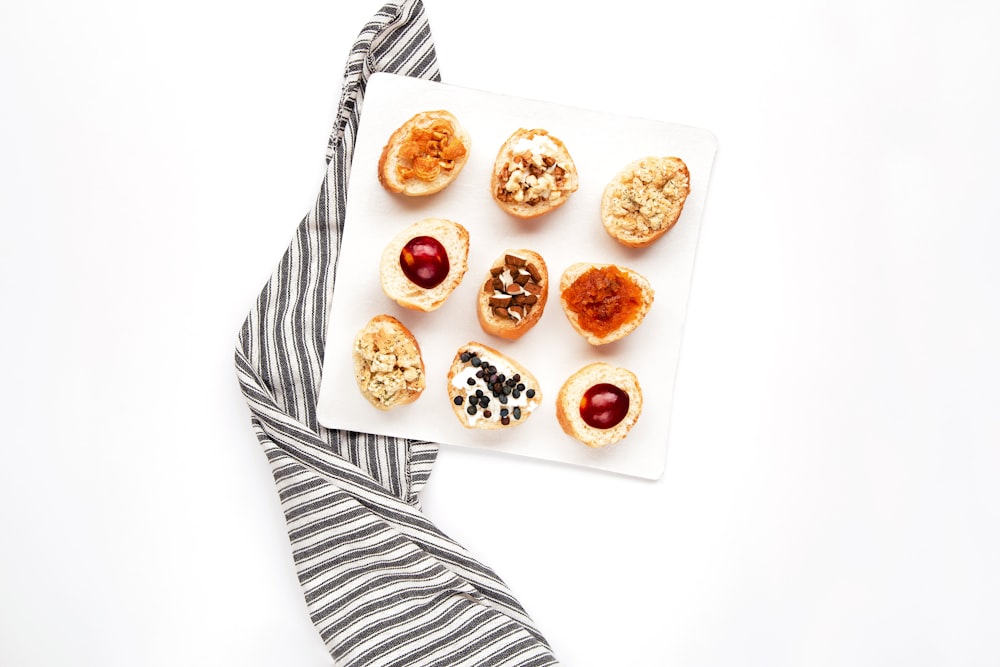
{"x":645,"y":199}
{"x":513,"y":295}
{"x":424,"y":155}
{"x":388,"y":366}
{"x":514,"y":390}
{"x":604,"y":302}
{"x":398,"y":287}
{"x":571,"y":404}
{"x":533,"y":174}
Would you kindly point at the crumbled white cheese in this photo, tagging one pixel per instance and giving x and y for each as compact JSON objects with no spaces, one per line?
{"x":538,"y":145}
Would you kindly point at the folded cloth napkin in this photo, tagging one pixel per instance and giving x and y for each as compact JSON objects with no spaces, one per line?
{"x":383,"y":585}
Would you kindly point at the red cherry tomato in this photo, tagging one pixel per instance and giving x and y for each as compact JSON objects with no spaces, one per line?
{"x":604,"y":405}
{"x":424,"y":261}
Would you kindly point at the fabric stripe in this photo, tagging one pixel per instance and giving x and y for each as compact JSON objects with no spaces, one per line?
{"x":383,"y":585}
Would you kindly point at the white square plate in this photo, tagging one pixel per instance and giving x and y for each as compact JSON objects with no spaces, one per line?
{"x":600,"y":144}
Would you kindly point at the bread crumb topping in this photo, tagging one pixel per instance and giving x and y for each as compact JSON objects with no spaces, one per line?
{"x":389,"y":367}
{"x":648,"y":196}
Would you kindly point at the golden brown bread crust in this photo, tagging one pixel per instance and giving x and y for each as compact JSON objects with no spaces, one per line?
{"x":514,"y":293}
{"x":509,"y":392}
{"x":645,"y":199}
{"x":391,"y":164}
{"x":627,"y":326}
{"x":540,"y":186}
{"x":388,"y":365}
{"x":571,"y":394}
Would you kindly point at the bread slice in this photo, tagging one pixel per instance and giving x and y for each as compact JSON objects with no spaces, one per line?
{"x":533,"y":174}
{"x":645,"y":199}
{"x":424,"y":155}
{"x":604,"y":302}
{"x":398,"y":287}
{"x":514,"y":293}
{"x":570,"y":404}
{"x":388,"y":366}
{"x":502,"y":393}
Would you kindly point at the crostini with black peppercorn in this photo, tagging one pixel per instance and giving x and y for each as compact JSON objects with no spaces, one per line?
{"x":489,"y":390}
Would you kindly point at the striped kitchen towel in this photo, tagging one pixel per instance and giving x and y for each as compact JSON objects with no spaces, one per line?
{"x":384,"y":586}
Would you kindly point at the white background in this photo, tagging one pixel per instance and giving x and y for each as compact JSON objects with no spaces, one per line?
{"x":831,"y":494}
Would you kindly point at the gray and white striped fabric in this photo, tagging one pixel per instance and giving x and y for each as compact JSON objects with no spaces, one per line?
{"x":383,"y":585}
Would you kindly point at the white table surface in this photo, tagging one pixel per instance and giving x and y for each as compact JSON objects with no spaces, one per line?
{"x":831,"y":494}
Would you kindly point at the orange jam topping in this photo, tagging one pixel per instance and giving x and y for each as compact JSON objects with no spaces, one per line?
{"x":603,"y":299}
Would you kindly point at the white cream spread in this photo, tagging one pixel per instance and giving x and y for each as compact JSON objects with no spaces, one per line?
{"x":461,"y":381}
